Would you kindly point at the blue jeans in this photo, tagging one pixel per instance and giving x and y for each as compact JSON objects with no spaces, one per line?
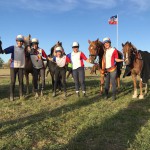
{"x":79,"y":75}
{"x":111,"y":77}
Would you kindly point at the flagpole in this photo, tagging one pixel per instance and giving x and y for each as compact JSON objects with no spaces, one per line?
{"x":117,"y":30}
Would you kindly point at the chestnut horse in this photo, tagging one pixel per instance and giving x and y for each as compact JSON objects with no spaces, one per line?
{"x":133,"y":60}
{"x":96,"y":48}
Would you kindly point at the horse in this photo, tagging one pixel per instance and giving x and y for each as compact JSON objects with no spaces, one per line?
{"x":94,"y":68}
{"x":96,"y":48}
{"x":134,"y":64}
{"x":28,"y":63}
{"x":52,"y":66}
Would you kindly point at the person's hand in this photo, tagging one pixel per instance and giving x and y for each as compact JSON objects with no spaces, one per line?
{"x":29,"y":49}
{"x":39,"y":57}
{"x":50,"y":59}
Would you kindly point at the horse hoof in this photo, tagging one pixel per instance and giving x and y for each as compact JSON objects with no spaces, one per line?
{"x":134,"y":96}
{"x":141,"y":97}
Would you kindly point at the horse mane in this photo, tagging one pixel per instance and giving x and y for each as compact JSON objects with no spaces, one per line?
{"x":101,"y":49}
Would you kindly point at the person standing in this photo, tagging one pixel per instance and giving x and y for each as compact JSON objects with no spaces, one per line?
{"x":17,"y":65}
{"x":61,"y":61}
{"x":38,"y":56}
{"x":111,"y":57}
{"x":78,"y":71}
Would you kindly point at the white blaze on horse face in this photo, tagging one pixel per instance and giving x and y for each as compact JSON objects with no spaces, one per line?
{"x":91,"y":47}
{"x":126,"y":56}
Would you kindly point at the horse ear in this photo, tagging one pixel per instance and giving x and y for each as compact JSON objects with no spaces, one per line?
{"x":122,"y":45}
{"x":29,"y":37}
{"x":89,"y":41}
{"x":97,"y":39}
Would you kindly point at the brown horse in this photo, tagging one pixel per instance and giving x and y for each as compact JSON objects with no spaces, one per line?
{"x":28,"y":63}
{"x":134,"y":62}
{"x":52,"y":66}
{"x":94,"y":68}
{"x":96,"y":48}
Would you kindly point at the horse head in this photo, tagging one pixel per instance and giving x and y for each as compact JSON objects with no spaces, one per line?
{"x":27,"y":43}
{"x":129,"y":51}
{"x":96,"y":49}
{"x":52,"y":51}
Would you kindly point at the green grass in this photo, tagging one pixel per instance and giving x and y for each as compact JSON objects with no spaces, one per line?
{"x":76,"y":123}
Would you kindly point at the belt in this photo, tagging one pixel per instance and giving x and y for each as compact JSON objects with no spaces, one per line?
{"x":111,"y":69}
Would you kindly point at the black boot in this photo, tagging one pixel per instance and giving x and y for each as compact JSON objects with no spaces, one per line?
{"x":106,"y":94}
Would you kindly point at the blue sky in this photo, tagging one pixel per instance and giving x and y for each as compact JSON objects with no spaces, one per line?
{"x":74,"y":20}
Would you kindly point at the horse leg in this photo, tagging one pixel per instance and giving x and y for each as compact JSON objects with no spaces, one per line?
{"x":32,"y":84}
{"x":118,"y":82}
{"x":141,"y":96}
{"x":27,"y":83}
{"x":135,"y":86}
{"x":101,"y":84}
{"x":52,"y":76}
{"x":146,"y":89}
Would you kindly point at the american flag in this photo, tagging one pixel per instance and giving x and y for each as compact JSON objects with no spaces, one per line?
{"x":113,"y":20}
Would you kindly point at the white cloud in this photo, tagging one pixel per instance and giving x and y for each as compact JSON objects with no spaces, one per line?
{"x":68,"y":5}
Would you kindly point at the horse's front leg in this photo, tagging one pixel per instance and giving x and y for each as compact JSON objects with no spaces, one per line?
{"x":27,"y":83}
{"x":101,"y":83}
{"x":135,"y":86}
{"x":118,"y":82}
{"x":141,"y":96}
{"x":33,"y":84}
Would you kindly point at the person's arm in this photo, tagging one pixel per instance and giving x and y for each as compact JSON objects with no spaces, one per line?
{"x":119,"y":60}
{"x":8,"y":50}
{"x":44,"y":56}
{"x":85,"y":58}
{"x":116,"y":57}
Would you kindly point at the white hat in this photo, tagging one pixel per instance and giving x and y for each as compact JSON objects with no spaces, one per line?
{"x":35,"y":40}
{"x":58,"y":49}
{"x":75,"y":44}
{"x":105,"y":40}
{"x":19,"y":38}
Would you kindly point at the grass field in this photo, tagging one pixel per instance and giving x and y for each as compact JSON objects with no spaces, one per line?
{"x":90,"y":123}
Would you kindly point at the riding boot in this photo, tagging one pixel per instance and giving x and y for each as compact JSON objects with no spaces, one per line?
{"x":106,"y":94}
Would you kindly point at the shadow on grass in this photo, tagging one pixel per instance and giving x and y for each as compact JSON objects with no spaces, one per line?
{"x":14,"y":125}
{"x":116,"y":132}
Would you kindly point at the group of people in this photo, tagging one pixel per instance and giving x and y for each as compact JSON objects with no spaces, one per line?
{"x":75,"y":59}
